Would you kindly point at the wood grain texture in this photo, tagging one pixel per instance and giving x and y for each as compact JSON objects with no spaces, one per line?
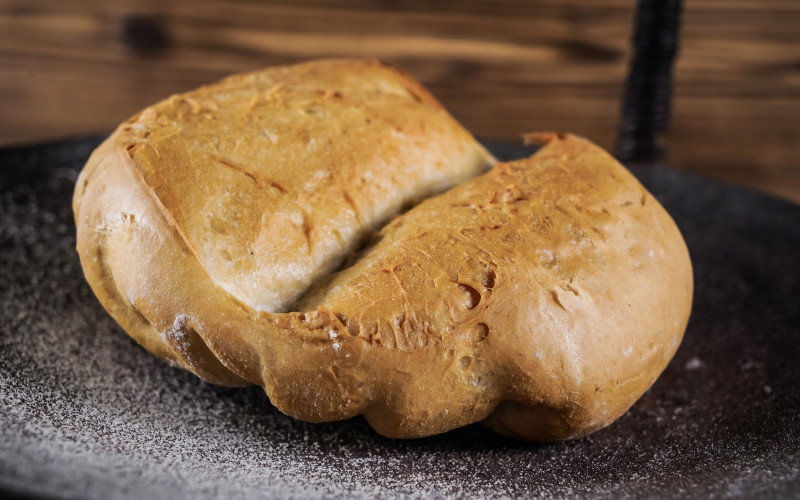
{"x":502,"y":68}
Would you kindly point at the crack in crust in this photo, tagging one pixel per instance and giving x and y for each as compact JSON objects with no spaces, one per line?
{"x":533,"y":297}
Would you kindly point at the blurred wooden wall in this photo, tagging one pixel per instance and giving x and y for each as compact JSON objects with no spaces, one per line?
{"x":75,"y":67}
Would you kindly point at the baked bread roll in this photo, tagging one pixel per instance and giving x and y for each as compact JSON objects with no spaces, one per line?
{"x":541,"y":297}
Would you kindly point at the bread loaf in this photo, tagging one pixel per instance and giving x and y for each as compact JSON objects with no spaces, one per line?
{"x":541,"y":296}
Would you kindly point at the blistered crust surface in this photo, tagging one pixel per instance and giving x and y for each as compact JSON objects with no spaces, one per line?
{"x":543,"y":297}
{"x":554,"y":279}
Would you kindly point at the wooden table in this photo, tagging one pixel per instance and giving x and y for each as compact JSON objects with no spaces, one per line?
{"x":502,"y":68}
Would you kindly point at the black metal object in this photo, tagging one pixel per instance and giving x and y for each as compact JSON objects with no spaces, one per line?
{"x":86,"y":413}
{"x":648,"y":90}
{"x":144,"y":35}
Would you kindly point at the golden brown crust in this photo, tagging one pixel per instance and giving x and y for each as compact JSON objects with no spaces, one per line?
{"x":327,"y":151}
{"x":543,"y":297}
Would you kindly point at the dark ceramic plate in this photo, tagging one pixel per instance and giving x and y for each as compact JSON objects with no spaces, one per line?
{"x":85,"y":412}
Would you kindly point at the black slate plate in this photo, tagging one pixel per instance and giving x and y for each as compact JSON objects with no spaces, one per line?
{"x":85,"y":412}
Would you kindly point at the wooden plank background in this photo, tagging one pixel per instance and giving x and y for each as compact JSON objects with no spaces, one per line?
{"x":69,"y":68}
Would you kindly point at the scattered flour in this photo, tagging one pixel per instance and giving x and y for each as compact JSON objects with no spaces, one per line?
{"x":86,"y":413}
